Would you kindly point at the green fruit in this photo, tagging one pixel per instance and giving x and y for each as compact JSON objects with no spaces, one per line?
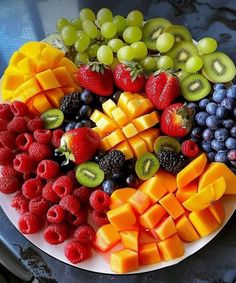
{"x":195,"y":87}
{"x":180,"y":33}
{"x":53,"y":118}
{"x":89,"y":174}
{"x":146,"y":166}
{"x":165,"y":142}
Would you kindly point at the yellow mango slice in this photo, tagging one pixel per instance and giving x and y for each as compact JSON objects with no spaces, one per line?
{"x":129,"y":130}
{"x":108,"y":107}
{"x":138,"y":146}
{"x":115,"y":137}
{"x":119,"y":116}
{"x":146,"y":121}
{"x":47,"y":80}
{"x":125,"y":148}
{"x":149,"y":136}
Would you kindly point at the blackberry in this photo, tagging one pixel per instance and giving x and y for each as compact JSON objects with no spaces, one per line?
{"x":171,"y":161}
{"x":70,"y":104}
{"x":112,"y":162}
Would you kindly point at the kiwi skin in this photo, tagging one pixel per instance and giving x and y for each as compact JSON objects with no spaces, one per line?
{"x":146,"y":166}
{"x":166,"y":142}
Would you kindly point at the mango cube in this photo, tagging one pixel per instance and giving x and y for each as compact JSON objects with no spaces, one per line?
{"x":115,"y":137}
{"x":123,"y":261}
{"x":140,"y":201}
{"x":146,"y":121}
{"x":129,"y":130}
{"x":149,"y":136}
{"x":138,"y":146}
{"x":152,"y":216}
{"x":129,"y":240}
{"x":171,"y":247}
{"x":108,"y":107}
{"x":186,"y":230}
{"x":126,"y":149}
{"x":47,"y":80}
{"x":172,"y":205}
{"x":165,"y":228}
{"x":119,"y":116}
{"x":125,"y":97}
{"x":63,"y":76}
{"x":149,"y":254}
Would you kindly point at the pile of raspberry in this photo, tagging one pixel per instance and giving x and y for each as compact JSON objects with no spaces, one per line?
{"x":46,"y":198}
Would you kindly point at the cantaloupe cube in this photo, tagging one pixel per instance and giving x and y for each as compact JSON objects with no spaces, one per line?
{"x":148,"y":254}
{"x":146,"y":121}
{"x":108,"y":106}
{"x":115,"y":137}
{"x":30,"y":88}
{"x":122,"y":216}
{"x":149,"y":136}
{"x":120,"y":196}
{"x":129,"y":240}
{"x":124,"y":261}
{"x":186,"y":230}
{"x":187,"y":192}
{"x":165,"y":228}
{"x":152,"y":216}
{"x":41,"y":103}
{"x":218,"y":211}
{"x":125,"y":148}
{"x":119,"y":116}
{"x":172,"y":205}
{"x":140,"y":201}
{"x":171,"y":247}
{"x":54,"y":96}
{"x":47,"y":80}
{"x":129,"y":130}
{"x":138,"y":146}
{"x":203,"y":221}
{"x":63,"y":77}
{"x":167,"y":180}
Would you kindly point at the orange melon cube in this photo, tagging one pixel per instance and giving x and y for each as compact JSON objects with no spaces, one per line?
{"x":138,"y":146}
{"x":172,"y":205}
{"x":124,"y":261}
{"x":63,"y":77}
{"x":171,"y":247}
{"x":152,"y":216}
{"x":218,"y":211}
{"x":149,"y":136}
{"x":122,"y":216}
{"x":148,"y":254}
{"x":167,"y":180}
{"x":120,"y":196}
{"x":41,"y":103}
{"x":47,"y":80}
{"x":125,"y":148}
{"x":54,"y":96}
{"x":186,"y":230}
{"x":187,"y":192}
{"x":165,"y":228}
{"x":129,"y":240}
{"x":139,"y":201}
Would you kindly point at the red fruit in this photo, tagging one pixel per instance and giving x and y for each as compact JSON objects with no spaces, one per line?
{"x":99,"y":200}
{"x":38,"y":206}
{"x":9,"y":171}
{"x":76,"y":252}
{"x":19,"y":108}
{"x":176,"y":120}
{"x":24,"y":141}
{"x":3,"y":124}
{"x":43,"y":136}
{"x":6,"y":156}
{"x":23,"y":163}
{"x":99,"y":218}
{"x":71,"y":174}
{"x":189,"y":148}
{"x":56,"y":234}
{"x":48,"y":169}
{"x":78,"y":219}
{"x":85,"y":234}
{"x":49,"y":194}
{"x":29,"y":175}
{"x":70,"y":203}
{"x":8,"y":139}
{"x":5,"y":112}
{"x":56,"y":214}
{"x":34,"y":124}
{"x":82,"y":193}
{"x":20,"y":203}
{"x":63,"y":186}
{"x":9,"y":185}
{"x":162,"y":89}
{"x":96,"y":78}
{"x":29,"y":223}
{"x":32,"y":188}
{"x":17,"y":125}
{"x":129,"y":77}
{"x":56,"y":138}
{"x":81,"y":143}
{"x":39,"y":151}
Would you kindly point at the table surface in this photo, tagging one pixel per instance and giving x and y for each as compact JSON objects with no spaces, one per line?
{"x":25,"y":20}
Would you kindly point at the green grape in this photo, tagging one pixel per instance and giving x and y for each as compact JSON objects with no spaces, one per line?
{"x":105,"y":55}
{"x":165,"y":42}
{"x":125,"y":53}
{"x":135,"y":18}
{"x":104,"y":15}
{"x":61,"y":23}
{"x":81,"y":58}
{"x":108,"y":30}
{"x":87,"y":14}
{"x":115,"y":44}
{"x":140,"y":49}
{"x":165,"y":62}
{"x":77,"y":23}
{"x":92,"y":50}
{"x":68,"y":35}
{"x":207,"y":45}
{"x":120,"y":23}
{"x":132,"y":34}
{"x":82,"y":42}
{"x":148,"y":63}
{"x":90,"y":28}
{"x":114,"y":63}
{"x":193,"y":64}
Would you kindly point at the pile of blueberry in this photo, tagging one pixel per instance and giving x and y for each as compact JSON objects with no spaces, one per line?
{"x":215,"y":125}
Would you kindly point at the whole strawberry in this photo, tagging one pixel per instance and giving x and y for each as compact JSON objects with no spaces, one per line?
{"x":96,"y":78}
{"x":79,"y":145}
{"x":129,"y":77}
{"x":176,"y":120}
{"x":162,"y":89}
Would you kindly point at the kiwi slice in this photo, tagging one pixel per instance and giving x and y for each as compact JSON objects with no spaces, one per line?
{"x":53,"y":118}
{"x":181,"y":52}
{"x":152,"y":29}
{"x":180,"y":33}
{"x":166,"y":142}
{"x":194,"y":87}
{"x":89,"y":174}
{"x":218,"y":67}
{"x":146,"y":166}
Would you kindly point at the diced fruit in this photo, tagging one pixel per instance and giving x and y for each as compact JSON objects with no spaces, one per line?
{"x":186,"y":230}
{"x":146,"y":121}
{"x":187,"y":192}
{"x":152,"y":216}
{"x":120,"y":196}
{"x":148,"y":254}
{"x":123,"y":261}
{"x":149,"y":136}
{"x":126,"y":149}
{"x":171,"y":247}
{"x":129,"y":130}
{"x":139,"y":201}
{"x":165,"y":228}
{"x":172,"y":205}
{"x":217,"y":211}
{"x":129,"y":240}
{"x":119,"y":116}
{"x":138,"y":146}
{"x":167,"y":180}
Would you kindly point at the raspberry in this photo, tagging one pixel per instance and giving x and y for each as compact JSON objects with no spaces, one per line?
{"x":38,"y":206}
{"x":9,"y":185}
{"x":32,"y":188}
{"x":34,"y":124}
{"x":23,"y":163}
{"x":99,"y":218}
{"x":189,"y":148}
{"x":78,"y":219}
{"x":56,"y":138}
{"x":8,"y":139}
{"x":17,"y":125}
{"x":29,"y":223}
{"x":9,"y":171}
{"x":19,"y":108}
{"x":99,"y":200}
{"x":24,"y":141}
{"x":49,"y":194}
{"x":56,"y":214}
{"x":39,"y":151}
{"x":48,"y":169}
{"x":20,"y":203}
{"x":76,"y":252}
{"x":70,"y":203}
{"x":63,"y":186}
{"x":5,"y":112}
{"x":43,"y":136}
{"x":56,"y":234}
{"x":71,"y":174}
{"x":82,"y":193}
{"x":29,"y":175}
{"x":6,"y":156}
{"x":3,"y":124}
{"x":84,"y":234}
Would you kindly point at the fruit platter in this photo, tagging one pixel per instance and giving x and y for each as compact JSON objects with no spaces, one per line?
{"x":118,"y":142}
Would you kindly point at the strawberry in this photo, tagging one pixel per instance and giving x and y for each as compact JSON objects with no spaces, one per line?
{"x":176,"y":120}
{"x":79,"y":145}
{"x":162,"y":89}
{"x":129,"y":76}
{"x":96,"y":78}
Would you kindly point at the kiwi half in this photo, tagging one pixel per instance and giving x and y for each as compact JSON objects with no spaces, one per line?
{"x":218,"y":67}
{"x":194,"y":87}
{"x":52,"y":118}
{"x":146,"y":166}
{"x":152,"y":29}
{"x":165,"y":142}
{"x":180,"y":33}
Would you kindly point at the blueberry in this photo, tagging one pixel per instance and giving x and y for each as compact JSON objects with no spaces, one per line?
{"x":221,"y":134}
{"x":206,"y":146}
{"x":219,"y":95}
{"x":221,"y":156}
{"x":200,"y":118}
{"x":233,"y":131}
{"x":234,"y":112}
{"x":102,"y":99}
{"x":228,"y":123}
{"x":230,"y":143}
{"x":193,"y":105}
{"x":132,"y":181}
{"x":228,"y":103}
{"x":221,"y":112}
{"x":231,"y":92}
{"x":85,"y":111}
{"x":78,"y":125}
{"x":109,"y":186}
{"x":219,"y":86}
{"x":208,"y":135}
{"x":211,"y":156}
{"x":116,"y":96}
{"x":212,"y":122}
{"x":86,"y":97}
{"x":203,"y":103}
{"x":70,"y":126}
{"x":196,"y":132}
{"x":211,"y":108}
{"x":217,"y":145}
{"x":232,"y":155}
{"x":88,"y":123}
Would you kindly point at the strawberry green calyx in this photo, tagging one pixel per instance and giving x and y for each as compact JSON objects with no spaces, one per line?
{"x":185,"y":116}
{"x":134,"y":68}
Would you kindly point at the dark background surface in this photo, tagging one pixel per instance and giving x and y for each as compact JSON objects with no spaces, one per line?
{"x":24,"y":20}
